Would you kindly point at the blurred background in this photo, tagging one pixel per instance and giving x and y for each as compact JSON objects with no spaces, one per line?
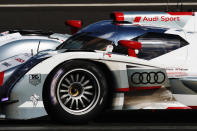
{"x":50,"y":15}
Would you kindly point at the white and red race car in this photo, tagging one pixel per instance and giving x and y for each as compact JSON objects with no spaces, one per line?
{"x":140,"y":60}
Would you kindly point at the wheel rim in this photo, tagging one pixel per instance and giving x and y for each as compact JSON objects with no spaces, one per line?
{"x":78,"y":91}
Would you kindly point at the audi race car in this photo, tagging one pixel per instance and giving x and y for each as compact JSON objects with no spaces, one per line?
{"x":14,"y":42}
{"x":137,"y":60}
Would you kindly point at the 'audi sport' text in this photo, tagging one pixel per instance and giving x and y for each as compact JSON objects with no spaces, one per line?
{"x":162,"y":18}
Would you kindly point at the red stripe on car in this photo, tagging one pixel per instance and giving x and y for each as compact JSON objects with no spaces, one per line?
{"x":193,"y":107}
{"x":179,"y":108}
{"x":145,"y":88}
{"x":122,"y":89}
{"x":181,"y":13}
{"x":1,"y":78}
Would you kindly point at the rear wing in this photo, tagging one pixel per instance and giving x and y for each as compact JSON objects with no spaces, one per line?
{"x":179,"y":20}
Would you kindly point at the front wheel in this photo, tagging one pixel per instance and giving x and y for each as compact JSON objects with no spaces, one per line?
{"x":76,"y":93}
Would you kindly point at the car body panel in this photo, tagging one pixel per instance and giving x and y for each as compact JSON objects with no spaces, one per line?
{"x":12,"y":44}
{"x":24,"y":89}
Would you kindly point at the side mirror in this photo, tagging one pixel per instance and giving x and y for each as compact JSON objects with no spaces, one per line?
{"x":131,"y":45}
{"x":75,"y":25}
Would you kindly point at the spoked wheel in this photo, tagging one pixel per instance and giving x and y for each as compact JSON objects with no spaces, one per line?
{"x":76,"y":93}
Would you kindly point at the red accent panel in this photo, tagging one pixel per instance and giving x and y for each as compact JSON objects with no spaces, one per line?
{"x":181,"y":13}
{"x":119,"y":16}
{"x":74,"y":24}
{"x":131,"y":52}
{"x":145,"y":88}
{"x":137,"y":19}
{"x":1,"y":78}
{"x":131,"y":45}
{"x":193,"y":107}
{"x":122,"y":89}
{"x":179,"y":108}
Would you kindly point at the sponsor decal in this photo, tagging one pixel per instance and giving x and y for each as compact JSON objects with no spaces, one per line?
{"x":176,"y":72}
{"x":148,"y":78}
{"x":34,"y":102}
{"x":6,"y":64}
{"x":35,"y":79}
{"x":13,"y":61}
{"x":137,"y":19}
{"x":20,"y":60}
{"x":158,"y":18}
{"x":34,"y":98}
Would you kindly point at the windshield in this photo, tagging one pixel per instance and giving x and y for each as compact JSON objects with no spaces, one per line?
{"x":84,"y":41}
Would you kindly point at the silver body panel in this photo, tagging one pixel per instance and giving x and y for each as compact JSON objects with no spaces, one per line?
{"x":15,"y":43}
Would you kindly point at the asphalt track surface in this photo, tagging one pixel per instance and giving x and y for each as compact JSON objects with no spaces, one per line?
{"x":53,"y":18}
{"x":114,"y":121}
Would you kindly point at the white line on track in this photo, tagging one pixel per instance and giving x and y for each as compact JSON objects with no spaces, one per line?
{"x":94,"y":4}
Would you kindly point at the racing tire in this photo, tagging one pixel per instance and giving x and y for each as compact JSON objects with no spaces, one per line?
{"x":76,"y":92}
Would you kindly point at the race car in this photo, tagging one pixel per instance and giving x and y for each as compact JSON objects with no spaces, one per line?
{"x":138,"y":60}
{"x":14,"y":42}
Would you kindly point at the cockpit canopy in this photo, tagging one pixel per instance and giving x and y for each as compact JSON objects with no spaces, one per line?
{"x":99,"y":35}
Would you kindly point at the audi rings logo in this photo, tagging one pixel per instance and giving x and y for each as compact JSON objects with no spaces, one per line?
{"x":148,"y":77}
